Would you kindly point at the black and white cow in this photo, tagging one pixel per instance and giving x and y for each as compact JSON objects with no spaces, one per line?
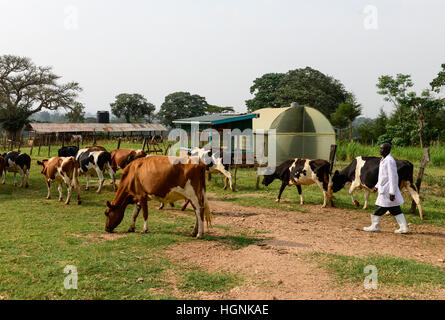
{"x":363,"y":173}
{"x":214,"y":163}
{"x":69,"y":151}
{"x":302,"y":172}
{"x":18,"y":163}
{"x":91,"y":161}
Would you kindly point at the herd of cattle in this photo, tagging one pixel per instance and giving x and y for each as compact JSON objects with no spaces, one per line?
{"x":152,"y":177}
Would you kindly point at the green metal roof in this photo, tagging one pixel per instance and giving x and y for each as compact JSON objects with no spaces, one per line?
{"x":219,"y":118}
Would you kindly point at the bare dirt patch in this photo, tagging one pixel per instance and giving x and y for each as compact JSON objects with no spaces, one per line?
{"x":100,"y":237}
{"x":278,"y":267}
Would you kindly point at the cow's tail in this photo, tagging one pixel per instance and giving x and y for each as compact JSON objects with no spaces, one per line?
{"x":75,"y":179}
{"x":207,"y":213}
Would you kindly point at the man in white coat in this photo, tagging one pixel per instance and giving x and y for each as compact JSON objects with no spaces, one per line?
{"x":389,"y":198}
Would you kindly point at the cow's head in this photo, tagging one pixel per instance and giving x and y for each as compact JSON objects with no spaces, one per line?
{"x":338,"y":181}
{"x":268,"y":179}
{"x":114,"y":214}
{"x":43,"y":164}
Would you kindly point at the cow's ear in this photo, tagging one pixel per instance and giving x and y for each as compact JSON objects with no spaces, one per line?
{"x":109,"y":204}
{"x":336,"y":173}
{"x":39,"y":163}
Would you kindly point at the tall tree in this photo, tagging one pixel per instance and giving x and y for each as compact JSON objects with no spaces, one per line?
{"x":264,"y":89}
{"x":313,"y":88}
{"x":26,"y":89}
{"x":180,"y":105}
{"x":77,"y":114}
{"x":439,"y":81}
{"x":340,"y":122}
{"x":132,"y":107}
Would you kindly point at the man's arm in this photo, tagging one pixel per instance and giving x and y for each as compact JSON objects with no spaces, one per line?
{"x":393,"y":179}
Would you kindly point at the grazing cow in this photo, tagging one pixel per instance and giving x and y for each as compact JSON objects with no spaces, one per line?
{"x":157,"y":178}
{"x":302,"y":172}
{"x":90,"y":161}
{"x":17,"y":162}
{"x":61,"y":169}
{"x":363,"y":172}
{"x":69,"y":151}
{"x":120,"y":158}
{"x":214,"y":163}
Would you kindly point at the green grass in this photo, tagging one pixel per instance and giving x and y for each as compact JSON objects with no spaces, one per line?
{"x":392,"y":271}
{"x":39,"y":237}
{"x":348,"y":151}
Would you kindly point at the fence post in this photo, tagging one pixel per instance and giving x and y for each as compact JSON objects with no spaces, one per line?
{"x":425,"y":159}
{"x":119,"y":143}
{"x":40,"y":142}
{"x":49,"y":145}
{"x":143,"y":144}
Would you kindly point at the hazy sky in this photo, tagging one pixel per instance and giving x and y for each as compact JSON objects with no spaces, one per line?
{"x":216,"y":48}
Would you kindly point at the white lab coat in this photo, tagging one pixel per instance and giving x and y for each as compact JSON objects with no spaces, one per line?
{"x":388,"y":183}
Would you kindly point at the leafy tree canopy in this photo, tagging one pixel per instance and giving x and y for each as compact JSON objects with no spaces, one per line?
{"x":132,"y":107}
{"x":180,"y":105}
{"x":305,"y":86}
{"x":26,"y":89}
{"x":77,"y":114}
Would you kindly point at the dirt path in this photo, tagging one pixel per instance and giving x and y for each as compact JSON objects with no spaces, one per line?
{"x":278,"y":268}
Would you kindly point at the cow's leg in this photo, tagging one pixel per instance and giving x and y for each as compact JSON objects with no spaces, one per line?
{"x":4,"y":176}
{"x":367,"y":193}
{"x":144,"y":206}
{"x":48,"y":184}
{"x":60,"y":188}
{"x":198,"y":230}
{"x":75,"y":183}
{"x":161,"y":206}
{"x":27,"y":178}
{"x":101,"y":179}
{"x":87,"y":178}
{"x":228,"y":177}
{"x":300,"y":193}
{"x":69,"y":188}
{"x":354,"y":185}
{"x":283,"y":186}
{"x":136,"y":210}
{"x":185,"y":205}
{"x":113,"y":177}
{"x":325,"y":193}
{"x":415,"y":195}
{"x":22,"y":176}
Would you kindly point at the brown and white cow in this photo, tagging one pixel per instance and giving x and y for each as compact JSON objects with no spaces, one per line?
{"x":302,"y":172}
{"x":159,"y":178}
{"x":2,"y":164}
{"x":61,"y":170}
{"x":120,"y":158}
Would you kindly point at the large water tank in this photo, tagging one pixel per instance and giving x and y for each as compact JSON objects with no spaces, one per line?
{"x":103,"y":117}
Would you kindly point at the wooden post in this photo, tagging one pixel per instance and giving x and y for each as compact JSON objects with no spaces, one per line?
{"x":40,"y":142}
{"x":33,"y":141}
{"x":425,"y":159}
{"x":94,"y":137}
{"x":234,"y":180}
{"x":119,"y":143}
{"x":143,"y":144}
{"x":332,"y":157}
{"x":63,"y":139}
{"x":20,"y":143}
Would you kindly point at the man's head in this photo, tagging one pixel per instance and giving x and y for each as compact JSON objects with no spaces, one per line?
{"x":385,"y":149}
